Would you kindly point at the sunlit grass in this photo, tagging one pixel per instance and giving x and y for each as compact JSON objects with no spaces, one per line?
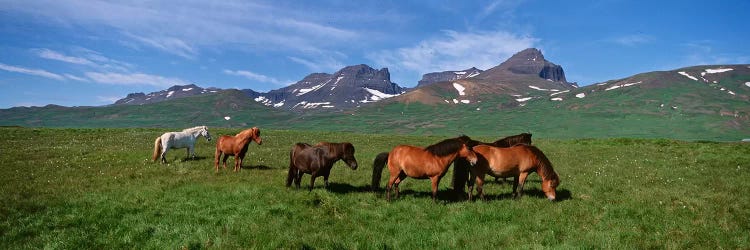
{"x":98,"y":188}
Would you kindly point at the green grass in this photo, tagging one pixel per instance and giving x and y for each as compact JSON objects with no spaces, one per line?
{"x":97,"y":188}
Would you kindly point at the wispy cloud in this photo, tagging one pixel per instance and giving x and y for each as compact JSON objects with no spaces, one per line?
{"x":455,"y":50}
{"x":54,"y":55}
{"x":632,"y":40}
{"x":184,"y":31}
{"x":320,"y":63}
{"x":34,"y":72}
{"x":72,"y":77}
{"x":255,"y":77}
{"x":134,"y":79}
{"x":170,"y":45}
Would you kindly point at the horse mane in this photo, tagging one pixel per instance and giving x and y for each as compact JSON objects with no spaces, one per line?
{"x":336,"y":148}
{"x":448,"y":146}
{"x":248,"y":131}
{"x":193,"y":129}
{"x":523,"y":138}
{"x":544,"y":166}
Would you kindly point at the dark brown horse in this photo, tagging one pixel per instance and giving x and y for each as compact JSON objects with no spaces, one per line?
{"x":421,"y":163}
{"x":461,"y":166}
{"x":317,"y":161}
{"x":517,"y":161}
{"x":235,"y":145}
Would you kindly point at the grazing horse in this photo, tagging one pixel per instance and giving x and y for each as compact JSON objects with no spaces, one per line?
{"x":235,"y":145}
{"x":461,"y":167}
{"x":517,"y":161}
{"x":183,"y":139}
{"x":421,"y":163}
{"x":317,"y":161}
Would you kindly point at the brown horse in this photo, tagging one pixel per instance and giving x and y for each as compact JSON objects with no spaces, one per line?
{"x":235,"y":145}
{"x":317,"y":161}
{"x":421,"y":163}
{"x":461,"y":166}
{"x":517,"y":161}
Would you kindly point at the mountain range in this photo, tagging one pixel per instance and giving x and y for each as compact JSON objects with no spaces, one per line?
{"x":526,"y":93}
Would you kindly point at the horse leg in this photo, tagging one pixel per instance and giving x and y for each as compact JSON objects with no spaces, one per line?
{"x":480,"y":186}
{"x":470,"y":184}
{"x":312,"y":180}
{"x":224,"y":161}
{"x":435,"y":181}
{"x":298,"y":178}
{"x":401,"y":176}
{"x":164,"y":154}
{"x":389,"y":186}
{"x":325,"y":180}
{"x":237,"y":163}
{"x":521,"y":181}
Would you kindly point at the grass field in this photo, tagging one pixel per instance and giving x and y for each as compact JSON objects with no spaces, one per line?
{"x":97,"y":188}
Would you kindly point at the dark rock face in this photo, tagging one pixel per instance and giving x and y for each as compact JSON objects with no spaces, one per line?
{"x":527,"y":62}
{"x":431,"y":78}
{"x":349,"y":87}
{"x":177,"y":91}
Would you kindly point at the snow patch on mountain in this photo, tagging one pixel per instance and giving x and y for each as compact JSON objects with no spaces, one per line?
{"x":460,"y":88}
{"x":622,"y":85}
{"x":714,"y":71}
{"x":687,"y":75}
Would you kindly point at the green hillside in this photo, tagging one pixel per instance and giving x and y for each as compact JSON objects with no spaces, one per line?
{"x":668,"y":104}
{"x":211,"y":110}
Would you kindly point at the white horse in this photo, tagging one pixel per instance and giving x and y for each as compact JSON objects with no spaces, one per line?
{"x":184,"y":139}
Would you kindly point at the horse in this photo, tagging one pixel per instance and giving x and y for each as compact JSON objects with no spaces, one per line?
{"x":318,"y":160}
{"x":461,"y":167}
{"x":421,"y":163}
{"x":183,"y":139}
{"x":236,"y":145}
{"x":517,"y":161}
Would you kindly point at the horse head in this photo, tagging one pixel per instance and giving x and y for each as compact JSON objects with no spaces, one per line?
{"x":256,"y":135}
{"x":204,"y":133}
{"x":549,"y":185}
{"x":348,"y":155}
{"x":467,"y":153}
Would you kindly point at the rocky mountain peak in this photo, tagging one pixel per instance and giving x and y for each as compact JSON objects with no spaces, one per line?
{"x":530,"y":61}
{"x":435,"y":77}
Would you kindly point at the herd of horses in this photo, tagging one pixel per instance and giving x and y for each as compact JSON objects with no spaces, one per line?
{"x":512,"y":156}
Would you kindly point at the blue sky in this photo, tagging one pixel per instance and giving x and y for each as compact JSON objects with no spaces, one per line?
{"x":84,"y":53}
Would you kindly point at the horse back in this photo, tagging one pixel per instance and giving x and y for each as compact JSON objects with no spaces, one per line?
{"x":416,"y":162}
{"x":506,"y":161}
{"x":307,"y":158}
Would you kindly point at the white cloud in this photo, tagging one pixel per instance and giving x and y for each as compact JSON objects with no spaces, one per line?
{"x":35,"y":72}
{"x":134,"y":79}
{"x":54,"y":55}
{"x":254,"y":76}
{"x":184,"y":29}
{"x":72,"y":77}
{"x":108,"y":99}
{"x":168,"y":44}
{"x":454,"y":51}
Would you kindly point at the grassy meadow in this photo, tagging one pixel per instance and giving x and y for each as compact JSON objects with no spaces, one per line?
{"x":98,"y":188}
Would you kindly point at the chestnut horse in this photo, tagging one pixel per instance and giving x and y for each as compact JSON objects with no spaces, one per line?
{"x":235,"y":145}
{"x":461,"y":166}
{"x":317,"y":161}
{"x":421,"y":163}
{"x":517,"y":161}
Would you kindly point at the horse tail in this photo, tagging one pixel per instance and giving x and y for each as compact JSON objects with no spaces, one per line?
{"x":292,"y":169}
{"x":377,"y":169}
{"x":460,"y":174}
{"x":544,"y":166}
{"x":157,"y":148}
